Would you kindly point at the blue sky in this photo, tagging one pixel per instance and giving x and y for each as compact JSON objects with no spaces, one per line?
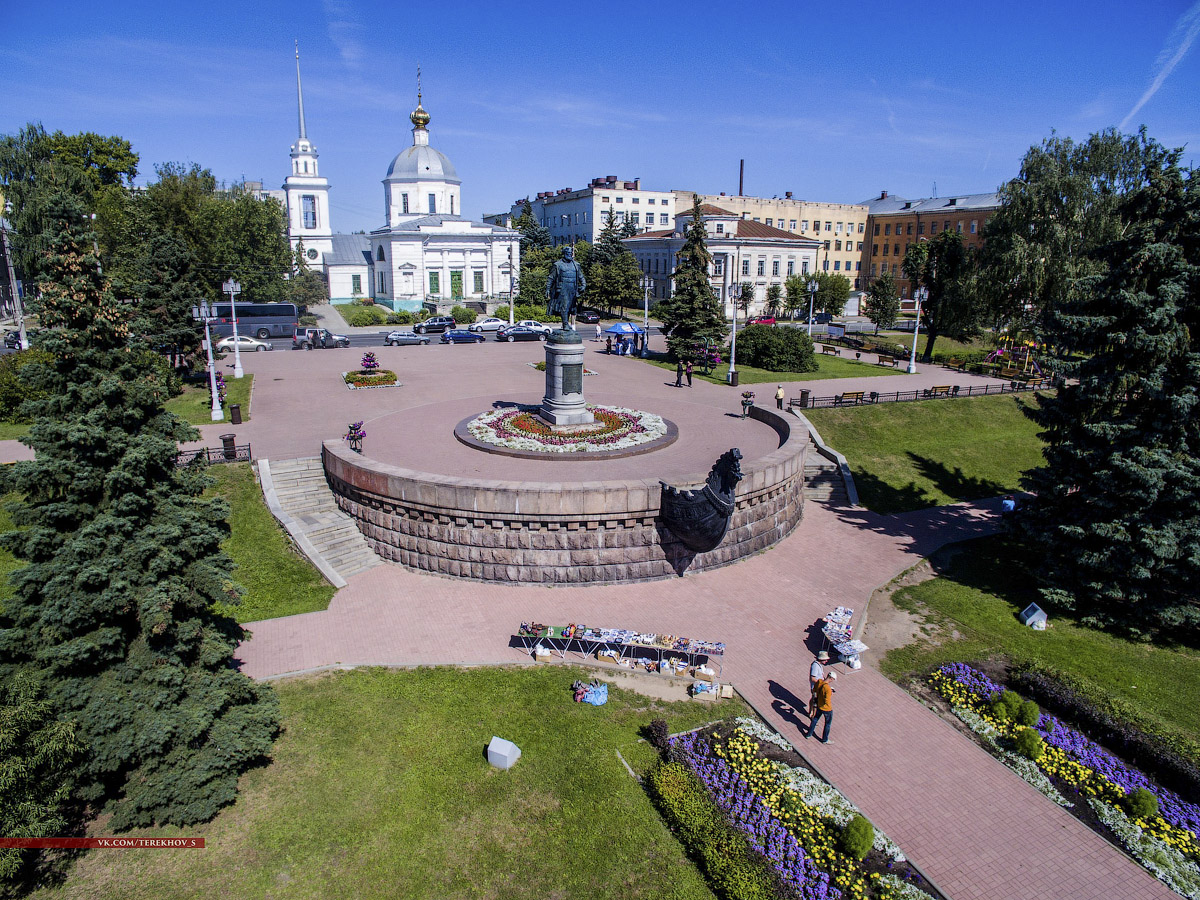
{"x":833,"y":101}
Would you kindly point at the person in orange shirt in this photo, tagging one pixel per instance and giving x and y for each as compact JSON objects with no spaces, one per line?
{"x":823,"y":700}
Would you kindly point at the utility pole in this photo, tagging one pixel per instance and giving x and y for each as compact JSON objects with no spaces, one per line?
{"x":203,"y":313}
{"x":232,"y":288}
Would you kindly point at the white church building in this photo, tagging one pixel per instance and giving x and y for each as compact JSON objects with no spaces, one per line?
{"x":427,"y":253}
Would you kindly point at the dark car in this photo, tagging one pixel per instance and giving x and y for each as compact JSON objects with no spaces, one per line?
{"x":822,"y":318}
{"x":761,"y":320}
{"x":396,"y":338}
{"x":461,"y":336}
{"x":317,"y":338}
{"x":520,"y":333}
{"x":12,"y":340}
{"x":588,"y":316}
{"x":434,"y":324}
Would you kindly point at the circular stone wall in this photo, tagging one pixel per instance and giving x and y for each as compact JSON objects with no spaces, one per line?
{"x":558,"y":533}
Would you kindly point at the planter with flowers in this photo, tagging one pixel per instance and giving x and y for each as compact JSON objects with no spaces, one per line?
{"x":747,"y":402}
{"x":354,"y":435}
{"x":370,"y":375}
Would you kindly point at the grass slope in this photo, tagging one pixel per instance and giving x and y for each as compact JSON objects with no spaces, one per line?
{"x":908,"y":456}
{"x":194,"y":405}
{"x":379,"y":789}
{"x":829,"y":367}
{"x":979,"y":596}
{"x":278,"y":581}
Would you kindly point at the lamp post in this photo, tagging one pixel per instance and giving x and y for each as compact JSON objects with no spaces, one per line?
{"x":647,"y":283}
{"x":512,"y":300}
{"x":813,"y":287}
{"x":18,"y":310}
{"x":203,"y":313}
{"x":920,"y":295}
{"x":735,"y":294}
{"x":232,"y":288}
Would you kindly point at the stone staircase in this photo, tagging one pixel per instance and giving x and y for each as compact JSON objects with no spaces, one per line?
{"x":823,"y":479}
{"x":300,"y":498}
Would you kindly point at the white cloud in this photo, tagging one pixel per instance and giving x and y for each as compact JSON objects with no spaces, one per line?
{"x":345,"y":31}
{"x":1178,"y":44}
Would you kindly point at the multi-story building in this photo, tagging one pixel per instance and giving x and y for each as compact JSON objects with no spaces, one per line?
{"x":580,"y":215}
{"x":895,"y":223}
{"x":840,"y":227}
{"x":743,"y":251}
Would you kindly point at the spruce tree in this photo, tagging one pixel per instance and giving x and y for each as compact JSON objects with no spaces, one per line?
{"x":883,"y":302}
{"x":1114,"y":528}
{"x":113,"y":608}
{"x":692,"y":314}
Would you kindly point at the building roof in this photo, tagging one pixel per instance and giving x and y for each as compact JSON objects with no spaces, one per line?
{"x":893,"y":205}
{"x":707,"y":209}
{"x":652,"y":234}
{"x":750,"y":228}
{"x":420,"y":162}
{"x":349,"y":250}
{"x":435,"y":220}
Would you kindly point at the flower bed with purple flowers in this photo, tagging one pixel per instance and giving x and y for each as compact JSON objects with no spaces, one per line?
{"x":521,"y":429}
{"x":1167,"y":842}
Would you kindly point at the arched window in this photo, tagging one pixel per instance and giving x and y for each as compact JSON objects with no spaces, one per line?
{"x":379,"y":253}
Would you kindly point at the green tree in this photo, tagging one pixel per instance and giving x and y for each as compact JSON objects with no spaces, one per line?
{"x":533,"y":235}
{"x":114,"y":606}
{"x":692,"y":314}
{"x":614,"y":279}
{"x":1114,"y":523}
{"x":832,"y":293}
{"x":745,"y":297}
{"x":945,"y":267}
{"x":38,"y":753}
{"x":158,"y":278}
{"x":796,"y":293}
{"x":305,"y":288}
{"x":774,"y":305}
{"x":883,"y":302}
{"x":776,"y":349}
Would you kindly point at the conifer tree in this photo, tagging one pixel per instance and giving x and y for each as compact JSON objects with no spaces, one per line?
{"x":692,"y":314}
{"x":883,"y":302}
{"x":1115,"y":523}
{"x":113,"y":609}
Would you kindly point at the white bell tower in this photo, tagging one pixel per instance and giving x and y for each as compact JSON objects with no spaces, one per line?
{"x":307,"y":193}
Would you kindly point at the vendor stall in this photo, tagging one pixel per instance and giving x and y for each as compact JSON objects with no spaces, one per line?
{"x":657,"y":652}
{"x":839,"y":634}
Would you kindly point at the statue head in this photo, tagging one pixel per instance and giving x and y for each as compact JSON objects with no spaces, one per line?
{"x":568,"y":253}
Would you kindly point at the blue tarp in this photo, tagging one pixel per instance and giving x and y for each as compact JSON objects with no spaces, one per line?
{"x":624,"y":328}
{"x":597,"y":696}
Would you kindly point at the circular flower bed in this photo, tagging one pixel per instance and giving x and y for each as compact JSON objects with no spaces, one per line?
{"x":521,"y":428}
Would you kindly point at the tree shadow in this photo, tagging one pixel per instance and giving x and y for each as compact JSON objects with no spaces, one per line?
{"x":954,"y":482}
{"x":787,"y":705}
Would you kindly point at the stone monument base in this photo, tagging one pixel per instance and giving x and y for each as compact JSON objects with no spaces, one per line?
{"x":563,"y":404}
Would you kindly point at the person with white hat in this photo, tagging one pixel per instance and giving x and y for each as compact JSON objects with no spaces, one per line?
{"x":823,"y":700}
{"x":815,"y":673}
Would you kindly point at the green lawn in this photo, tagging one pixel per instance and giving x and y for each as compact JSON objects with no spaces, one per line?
{"x":278,"y":581}
{"x":829,"y":367}
{"x":379,"y":789}
{"x":942,"y":345}
{"x":11,"y":431}
{"x":194,"y":405}
{"x":979,"y":596}
{"x":912,"y":455}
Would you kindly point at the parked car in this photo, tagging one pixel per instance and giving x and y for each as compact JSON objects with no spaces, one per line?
{"x":461,"y":336}
{"x":491,"y":323}
{"x":245,"y":344}
{"x":761,"y":320}
{"x":12,"y":339}
{"x":434,"y":324}
{"x":588,"y":316}
{"x":822,"y":318}
{"x":521,"y":333}
{"x":396,"y":338}
{"x":534,"y":324}
{"x":317,"y":338}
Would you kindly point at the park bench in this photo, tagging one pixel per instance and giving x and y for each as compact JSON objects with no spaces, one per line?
{"x":955,"y":363}
{"x":888,"y":361}
{"x":1010,"y":373}
{"x":1035,"y":380}
{"x":836,"y":351}
{"x":848,"y":397}
{"x":938,"y":390}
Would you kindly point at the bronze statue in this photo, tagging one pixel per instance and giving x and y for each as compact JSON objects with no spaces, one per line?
{"x":564,"y":286}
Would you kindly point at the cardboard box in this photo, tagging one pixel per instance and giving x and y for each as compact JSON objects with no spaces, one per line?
{"x":726,"y":692}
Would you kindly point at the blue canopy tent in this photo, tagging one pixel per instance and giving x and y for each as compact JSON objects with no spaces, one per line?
{"x":624,"y":328}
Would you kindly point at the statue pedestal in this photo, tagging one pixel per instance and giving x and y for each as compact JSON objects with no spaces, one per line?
{"x":563,"y":404}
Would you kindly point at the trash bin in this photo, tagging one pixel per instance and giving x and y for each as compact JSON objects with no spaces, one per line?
{"x":229,"y":445}
{"x":235,"y":413}
{"x":733,"y":378}
{"x":804,"y":395}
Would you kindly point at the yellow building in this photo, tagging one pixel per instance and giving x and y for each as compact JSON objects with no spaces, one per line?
{"x":840,"y":227}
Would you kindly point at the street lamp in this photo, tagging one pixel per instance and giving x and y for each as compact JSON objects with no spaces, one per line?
{"x":735,"y":294}
{"x":647,"y":283}
{"x":813,"y":287}
{"x":23,"y":338}
{"x":232,"y":288}
{"x":203,"y":313}
{"x":920,"y":295}
{"x":511,"y":297}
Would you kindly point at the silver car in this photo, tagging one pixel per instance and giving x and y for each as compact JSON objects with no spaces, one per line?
{"x":491,"y":323}
{"x":245,"y":344}
{"x":397,"y":338}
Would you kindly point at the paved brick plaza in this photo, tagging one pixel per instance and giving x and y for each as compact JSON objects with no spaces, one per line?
{"x":975,"y":828}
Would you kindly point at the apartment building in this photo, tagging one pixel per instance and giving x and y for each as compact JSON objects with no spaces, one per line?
{"x":573,"y":215}
{"x":895,"y":222}
{"x":840,"y":227}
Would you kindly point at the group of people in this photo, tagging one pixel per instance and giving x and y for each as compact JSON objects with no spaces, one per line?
{"x":626,"y":346}
{"x":683,"y":371}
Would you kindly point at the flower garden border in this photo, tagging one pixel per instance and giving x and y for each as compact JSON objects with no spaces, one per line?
{"x":462,"y":433}
{"x":370,"y":387}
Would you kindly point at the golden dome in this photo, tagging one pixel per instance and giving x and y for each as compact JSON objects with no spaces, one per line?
{"x":419,"y":117}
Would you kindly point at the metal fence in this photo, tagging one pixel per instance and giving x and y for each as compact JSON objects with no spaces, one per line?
{"x":853,"y":398}
{"x":212,"y":455}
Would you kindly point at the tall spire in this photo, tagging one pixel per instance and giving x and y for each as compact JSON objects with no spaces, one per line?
{"x":419,"y":117}
{"x":300,"y":92}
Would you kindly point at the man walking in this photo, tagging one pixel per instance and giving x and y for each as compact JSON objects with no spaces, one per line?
{"x":779,"y":397}
{"x":597,"y":334}
{"x":823,"y":698}
{"x":815,"y":673}
{"x":679,"y":374}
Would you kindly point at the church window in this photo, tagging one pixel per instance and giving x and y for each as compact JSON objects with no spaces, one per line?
{"x":451,"y":204}
{"x":435,"y":285}
{"x":479,"y":282}
{"x":381,"y":290}
{"x":306,"y":167}
{"x":379,"y":253}
{"x":309,"y":206}
{"x":432,"y":203}
{"x":404,"y":203}
{"x":356,"y":284}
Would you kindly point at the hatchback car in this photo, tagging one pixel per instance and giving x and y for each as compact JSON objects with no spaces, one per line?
{"x":534,"y":324}
{"x":245,"y":344}
{"x":397,"y":338}
{"x":822,"y":318}
{"x":491,"y":323}
{"x":588,"y":316}
{"x":761,"y":320}
{"x":461,"y":336}
{"x":434,"y":324}
{"x":520,"y":333}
